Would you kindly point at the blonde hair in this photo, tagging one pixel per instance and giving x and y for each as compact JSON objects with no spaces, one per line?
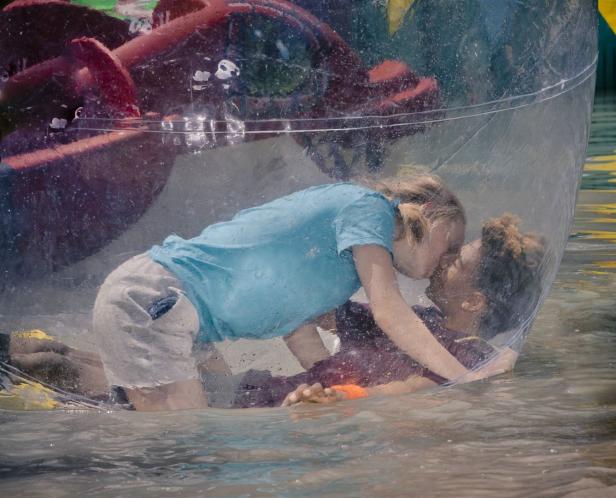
{"x":416,"y":192}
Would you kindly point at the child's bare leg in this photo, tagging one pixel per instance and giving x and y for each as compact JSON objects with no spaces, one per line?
{"x":306,"y":344}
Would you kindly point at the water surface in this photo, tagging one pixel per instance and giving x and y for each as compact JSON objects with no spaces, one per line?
{"x":546,"y":430}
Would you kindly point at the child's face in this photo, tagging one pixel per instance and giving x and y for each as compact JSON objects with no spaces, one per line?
{"x":453,"y":284}
{"x":438,"y":247}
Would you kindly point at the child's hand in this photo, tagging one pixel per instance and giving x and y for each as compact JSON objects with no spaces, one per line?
{"x":503,"y":363}
{"x":481,"y":374}
{"x":315,"y":393}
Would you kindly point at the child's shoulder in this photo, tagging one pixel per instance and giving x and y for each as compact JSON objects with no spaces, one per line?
{"x":345,"y":191}
{"x":316,"y":201}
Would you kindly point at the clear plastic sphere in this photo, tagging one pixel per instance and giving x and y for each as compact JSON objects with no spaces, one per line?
{"x":121,"y":125}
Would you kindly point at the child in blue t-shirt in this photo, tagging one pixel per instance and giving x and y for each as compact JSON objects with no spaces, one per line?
{"x":274,"y":270}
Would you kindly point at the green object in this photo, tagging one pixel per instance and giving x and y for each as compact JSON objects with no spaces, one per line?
{"x":107,"y":6}
{"x":606,"y":65}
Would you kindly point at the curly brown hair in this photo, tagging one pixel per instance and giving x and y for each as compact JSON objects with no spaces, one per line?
{"x":509,"y":274}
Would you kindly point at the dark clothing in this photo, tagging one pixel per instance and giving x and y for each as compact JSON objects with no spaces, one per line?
{"x":367,"y":357}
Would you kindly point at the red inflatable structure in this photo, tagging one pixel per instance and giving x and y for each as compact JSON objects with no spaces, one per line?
{"x":84,"y":104}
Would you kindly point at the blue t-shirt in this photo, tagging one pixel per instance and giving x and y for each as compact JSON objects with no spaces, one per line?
{"x":277,"y":266}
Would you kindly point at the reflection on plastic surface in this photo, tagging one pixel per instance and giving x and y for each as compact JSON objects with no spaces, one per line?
{"x":118,"y":130}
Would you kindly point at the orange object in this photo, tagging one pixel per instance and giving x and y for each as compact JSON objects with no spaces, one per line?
{"x":352,"y":391}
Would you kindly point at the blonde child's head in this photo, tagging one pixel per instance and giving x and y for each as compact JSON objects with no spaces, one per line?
{"x":430,"y":223}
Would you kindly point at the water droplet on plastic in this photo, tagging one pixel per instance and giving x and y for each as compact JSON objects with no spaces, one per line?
{"x":227,"y":69}
{"x":201,"y":76}
{"x":236,"y":129}
{"x":193,"y":123}
{"x":196,"y":140}
{"x":282,"y":50}
{"x":58,"y":124}
{"x":195,"y":128}
{"x":140,"y":25}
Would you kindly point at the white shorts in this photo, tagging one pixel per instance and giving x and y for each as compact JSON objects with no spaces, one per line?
{"x":141,"y":343}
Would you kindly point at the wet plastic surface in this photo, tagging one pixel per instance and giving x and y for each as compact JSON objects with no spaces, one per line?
{"x":116,"y":132}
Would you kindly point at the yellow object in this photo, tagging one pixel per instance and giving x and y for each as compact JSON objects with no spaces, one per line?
{"x":605,"y":209}
{"x":597,"y":166}
{"x":396,"y":10}
{"x":606,"y":265}
{"x":41,"y":335}
{"x":603,"y":220}
{"x":600,"y":235}
{"x":608,"y":11}
{"x":602,"y":159}
{"x":28,"y":395}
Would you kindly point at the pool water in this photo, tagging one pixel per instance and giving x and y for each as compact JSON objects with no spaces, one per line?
{"x":546,"y":430}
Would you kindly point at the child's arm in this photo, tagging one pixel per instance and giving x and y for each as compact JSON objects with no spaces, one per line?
{"x":501,"y":363}
{"x":396,"y":318}
{"x":180,"y":395}
{"x":306,"y":344}
{"x":410,"y":385}
{"x":316,"y":393}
